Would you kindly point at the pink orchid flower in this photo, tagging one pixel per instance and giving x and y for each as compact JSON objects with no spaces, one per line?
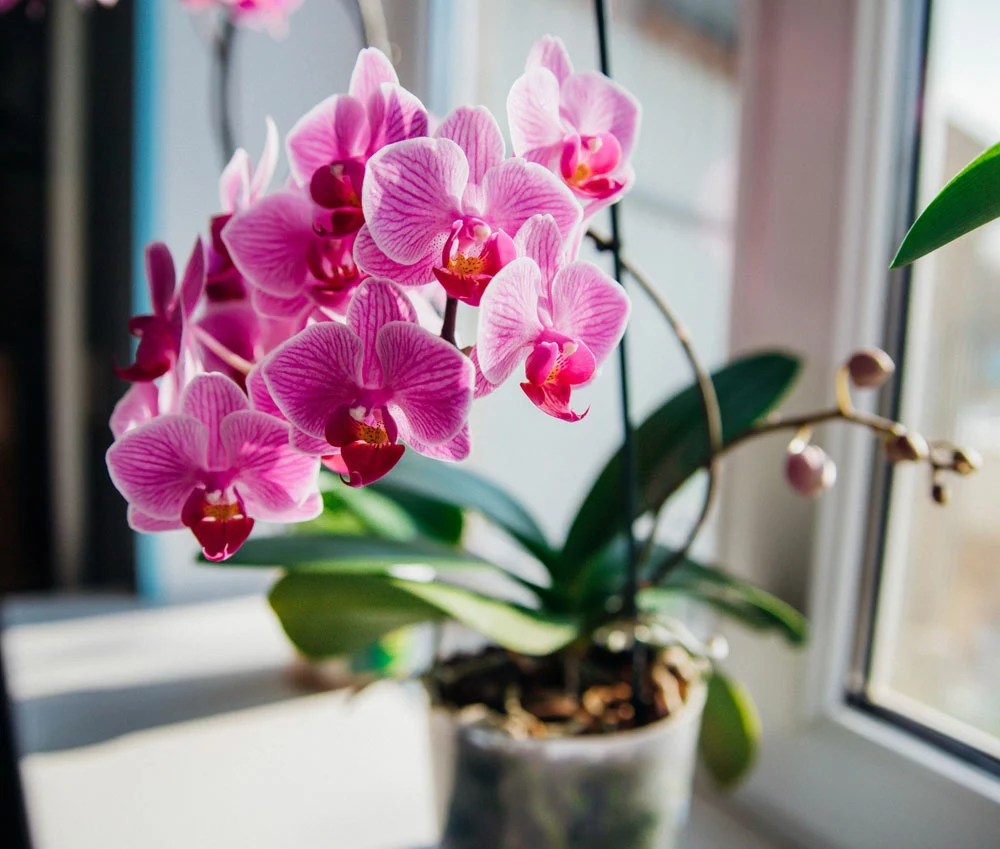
{"x":271,"y":15}
{"x":366,"y":385}
{"x":581,"y":126}
{"x":449,"y":207}
{"x":159,"y":334}
{"x":561,"y":322}
{"x":214,"y":468}
{"x":296,"y":247}
{"x":240,"y":186}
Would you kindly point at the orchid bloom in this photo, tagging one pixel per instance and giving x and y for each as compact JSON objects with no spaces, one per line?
{"x":296,"y":247}
{"x":159,"y":334}
{"x":581,"y":126}
{"x":271,"y":15}
{"x":240,"y":186}
{"x":449,"y":207}
{"x":561,"y":322}
{"x":379,"y":379}
{"x":214,"y":468}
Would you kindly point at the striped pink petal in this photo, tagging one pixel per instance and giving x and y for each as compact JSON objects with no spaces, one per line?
{"x":412,"y":195}
{"x":210,"y":398}
{"x":475,"y":130}
{"x":593,"y":104}
{"x":590,"y":306}
{"x":371,"y":260}
{"x":517,"y":189}
{"x":540,"y":240}
{"x":371,"y":69}
{"x":375,"y":303}
{"x":533,"y":113}
{"x":508,"y":319}
{"x":550,"y":52}
{"x":332,"y":131}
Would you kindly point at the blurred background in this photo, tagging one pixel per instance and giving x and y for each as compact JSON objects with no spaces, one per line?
{"x":143,"y":682}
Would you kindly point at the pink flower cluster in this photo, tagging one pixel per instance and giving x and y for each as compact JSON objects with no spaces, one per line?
{"x":316,"y":325}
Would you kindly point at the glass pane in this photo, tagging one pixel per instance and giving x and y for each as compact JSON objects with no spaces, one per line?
{"x":679,"y":58}
{"x":937,"y":642}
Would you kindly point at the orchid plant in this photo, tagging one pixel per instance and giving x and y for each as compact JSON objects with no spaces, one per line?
{"x":316,"y":328}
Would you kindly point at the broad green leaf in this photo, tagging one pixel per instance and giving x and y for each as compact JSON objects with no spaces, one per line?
{"x":450,"y":484}
{"x":734,"y":597}
{"x":397,"y":514}
{"x":512,"y":626}
{"x":970,"y":200}
{"x":730,"y":731}
{"x":326,"y":615}
{"x":672,"y":444}
{"x":350,"y":554}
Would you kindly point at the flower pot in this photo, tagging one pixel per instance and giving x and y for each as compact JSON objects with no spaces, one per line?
{"x":625,"y":790}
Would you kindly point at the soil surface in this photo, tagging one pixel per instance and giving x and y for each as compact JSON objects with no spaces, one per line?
{"x":564,"y":694}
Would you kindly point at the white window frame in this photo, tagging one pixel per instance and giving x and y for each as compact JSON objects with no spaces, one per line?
{"x":819,"y":189}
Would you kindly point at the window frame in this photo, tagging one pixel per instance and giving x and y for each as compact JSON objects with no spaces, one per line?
{"x":830,"y":774}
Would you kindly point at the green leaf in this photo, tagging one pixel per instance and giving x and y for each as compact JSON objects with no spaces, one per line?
{"x":433,"y":518}
{"x":672,"y":444}
{"x":734,"y":597}
{"x":970,"y":200}
{"x":326,"y":615}
{"x":730,"y":731}
{"x":447,"y":483}
{"x":329,"y":614}
{"x":512,"y":626}
{"x":350,"y":554}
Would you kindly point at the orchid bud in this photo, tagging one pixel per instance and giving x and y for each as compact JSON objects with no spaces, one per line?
{"x":907,"y":448}
{"x":809,"y":470}
{"x":870,"y":368}
{"x":966,"y":461}
{"x":940,"y":493}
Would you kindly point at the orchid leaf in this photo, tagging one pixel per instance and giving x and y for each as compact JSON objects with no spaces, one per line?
{"x":970,"y":200}
{"x":730,"y":731}
{"x":447,"y":483}
{"x":736,"y":598}
{"x":326,"y":615}
{"x":350,"y":554}
{"x":514,"y":627}
{"x":330,"y":614}
{"x":672,"y":444}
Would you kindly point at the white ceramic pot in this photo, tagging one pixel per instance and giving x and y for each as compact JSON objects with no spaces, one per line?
{"x":627,"y":790}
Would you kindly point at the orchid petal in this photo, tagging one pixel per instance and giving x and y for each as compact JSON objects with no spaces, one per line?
{"x":306,"y":444}
{"x":276,"y":307}
{"x":482,"y":386}
{"x":269,"y":242}
{"x":145,"y":524}
{"x":454,"y":450}
{"x":593,"y":104}
{"x":156,"y":466}
{"x":260,"y":395}
{"x":272,"y":478}
{"x":429,"y":379}
{"x":477,"y":133}
{"x":533,"y":112}
{"x":268,"y":162}
{"x":517,"y":189}
{"x":540,"y":240}
{"x":234,"y":184}
{"x":376,"y":303}
{"x":411,"y":195}
{"x":394,"y":115}
{"x":371,"y":70}
{"x":508,"y":319}
{"x":193,"y":282}
{"x":371,"y":260}
{"x":588,"y":305}
{"x":550,"y":52}
{"x":161,"y":277}
{"x":137,"y":406}
{"x":313,"y":374}
{"x":332,"y":131}
{"x":210,"y":398}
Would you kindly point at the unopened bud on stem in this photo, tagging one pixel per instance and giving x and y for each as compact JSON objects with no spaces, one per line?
{"x":809,"y":470}
{"x":966,"y":461}
{"x":870,"y":367}
{"x":907,"y":448}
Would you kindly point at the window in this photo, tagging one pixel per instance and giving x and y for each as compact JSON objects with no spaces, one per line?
{"x":932,"y":658}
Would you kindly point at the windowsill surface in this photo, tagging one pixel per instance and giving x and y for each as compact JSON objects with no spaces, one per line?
{"x":179,"y":727}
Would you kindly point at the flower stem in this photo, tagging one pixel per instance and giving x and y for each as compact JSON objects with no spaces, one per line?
{"x":222,"y":50}
{"x":448,"y":323}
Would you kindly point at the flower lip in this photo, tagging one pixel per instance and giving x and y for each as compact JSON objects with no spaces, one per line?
{"x":336,"y":188}
{"x":218,"y":520}
{"x":367,"y":441}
